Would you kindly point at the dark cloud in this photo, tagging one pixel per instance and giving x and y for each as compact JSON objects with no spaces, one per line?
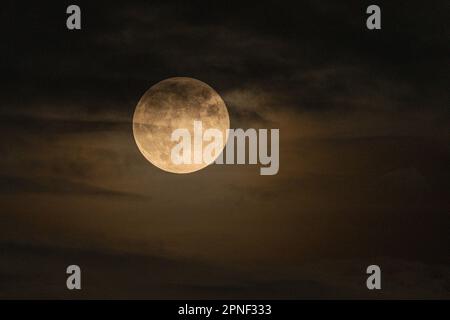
{"x":28,"y":124}
{"x":156,"y":276}
{"x":313,"y":54}
{"x":56,"y":186}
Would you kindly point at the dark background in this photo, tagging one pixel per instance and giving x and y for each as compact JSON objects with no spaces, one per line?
{"x":364,"y":151}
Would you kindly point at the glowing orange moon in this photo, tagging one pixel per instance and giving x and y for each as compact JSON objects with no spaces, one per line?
{"x":172,"y":104}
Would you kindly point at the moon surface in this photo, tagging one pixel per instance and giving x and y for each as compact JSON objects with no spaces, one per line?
{"x":172,"y":104}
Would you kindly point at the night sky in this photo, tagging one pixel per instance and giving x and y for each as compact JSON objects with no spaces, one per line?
{"x":364,"y":151}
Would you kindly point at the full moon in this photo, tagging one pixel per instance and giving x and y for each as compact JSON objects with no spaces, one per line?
{"x":172,"y":104}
